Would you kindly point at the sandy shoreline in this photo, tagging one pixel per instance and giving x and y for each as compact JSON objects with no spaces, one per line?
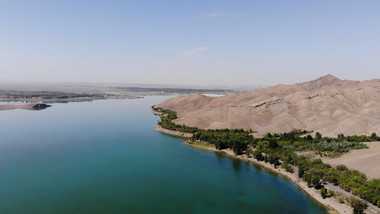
{"x":167,"y":131}
{"x":174,"y":133}
{"x":332,"y":203}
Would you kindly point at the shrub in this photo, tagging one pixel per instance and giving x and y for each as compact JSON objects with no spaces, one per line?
{"x":324,"y":193}
{"x":358,"y":205}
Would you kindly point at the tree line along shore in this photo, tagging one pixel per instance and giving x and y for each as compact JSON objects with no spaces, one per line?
{"x":283,"y":151}
{"x":55,"y":97}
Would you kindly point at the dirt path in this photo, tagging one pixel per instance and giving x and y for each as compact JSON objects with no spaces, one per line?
{"x":371,"y":208}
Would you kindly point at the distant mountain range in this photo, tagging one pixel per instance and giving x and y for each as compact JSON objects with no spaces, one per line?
{"x":327,"y":105}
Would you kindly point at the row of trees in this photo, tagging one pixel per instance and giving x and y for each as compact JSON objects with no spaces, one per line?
{"x":315,"y":172}
{"x":166,"y":121}
{"x":293,"y":141}
{"x":349,"y":138}
{"x":237,"y":140}
{"x":280,"y":150}
{"x":48,"y":95}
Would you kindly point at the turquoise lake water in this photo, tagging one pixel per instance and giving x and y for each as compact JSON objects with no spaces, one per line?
{"x":106,"y":157}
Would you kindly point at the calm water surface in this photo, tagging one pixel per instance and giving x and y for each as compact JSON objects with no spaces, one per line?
{"x":106,"y":157}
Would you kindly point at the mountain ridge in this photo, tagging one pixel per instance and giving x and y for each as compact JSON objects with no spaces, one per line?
{"x":328,"y":105}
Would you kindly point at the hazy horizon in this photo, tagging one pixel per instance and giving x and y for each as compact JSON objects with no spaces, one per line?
{"x":161,"y":85}
{"x":197,"y":43}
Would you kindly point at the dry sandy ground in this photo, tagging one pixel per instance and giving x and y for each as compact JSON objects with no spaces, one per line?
{"x":363,"y":160}
{"x":327,"y":105}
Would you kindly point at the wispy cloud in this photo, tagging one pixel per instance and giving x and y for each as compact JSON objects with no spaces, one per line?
{"x":215,"y":14}
{"x":194,"y":51}
{"x":229,"y":15}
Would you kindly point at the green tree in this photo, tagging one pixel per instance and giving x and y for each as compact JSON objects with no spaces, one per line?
{"x":358,"y":205}
{"x":273,"y":143}
{"x":341,"y":168}
{"x":249,"y":152}
{"x":331,"y":193}
{"x":309,"y":180}
{"x":287,"y":167}
{"x":341,"y":200}
{"x":258,"y":155}
{"x":318,"y":135}
{"x":374,"y":136}
{"x":300,"y":171}
{"x":324,"y":193}
{"x":316,"y":181}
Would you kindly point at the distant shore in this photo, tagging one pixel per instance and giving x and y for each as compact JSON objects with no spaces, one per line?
{"x":332,"y":203}
{"x":79,"y":92}
{"x":62,"y":99}
{"x":33,"y":106}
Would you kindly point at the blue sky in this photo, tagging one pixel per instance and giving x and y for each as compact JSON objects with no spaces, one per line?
{"x":215,"y":42}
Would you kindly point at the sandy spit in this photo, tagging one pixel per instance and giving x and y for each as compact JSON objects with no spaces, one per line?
{"x":10,"y":107}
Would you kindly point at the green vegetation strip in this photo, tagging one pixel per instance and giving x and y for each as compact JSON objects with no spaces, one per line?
{"x":280,"y":150}
{"x":47,"y":95}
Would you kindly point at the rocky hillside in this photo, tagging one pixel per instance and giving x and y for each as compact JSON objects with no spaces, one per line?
{"x":327,"y":105}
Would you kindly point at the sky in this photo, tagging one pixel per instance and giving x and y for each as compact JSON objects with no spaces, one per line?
{"x":189,"y":42}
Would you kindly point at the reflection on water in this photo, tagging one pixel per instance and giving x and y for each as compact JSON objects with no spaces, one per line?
{"x":237,"y":164}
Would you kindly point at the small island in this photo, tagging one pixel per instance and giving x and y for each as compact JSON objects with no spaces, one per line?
{"x":33,"y":106}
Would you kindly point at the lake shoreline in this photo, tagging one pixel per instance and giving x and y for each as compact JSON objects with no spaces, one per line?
{"x":332,"y":204}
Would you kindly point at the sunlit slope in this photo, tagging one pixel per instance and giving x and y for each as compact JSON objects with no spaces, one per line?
{"x":327,"y":105}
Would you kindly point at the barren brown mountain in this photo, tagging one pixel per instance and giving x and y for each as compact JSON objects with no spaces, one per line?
{"x":327,"y":105}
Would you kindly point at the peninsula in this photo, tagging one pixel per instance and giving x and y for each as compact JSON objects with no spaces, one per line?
{"x":313,"y":120}
{"x":32,"y":106}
